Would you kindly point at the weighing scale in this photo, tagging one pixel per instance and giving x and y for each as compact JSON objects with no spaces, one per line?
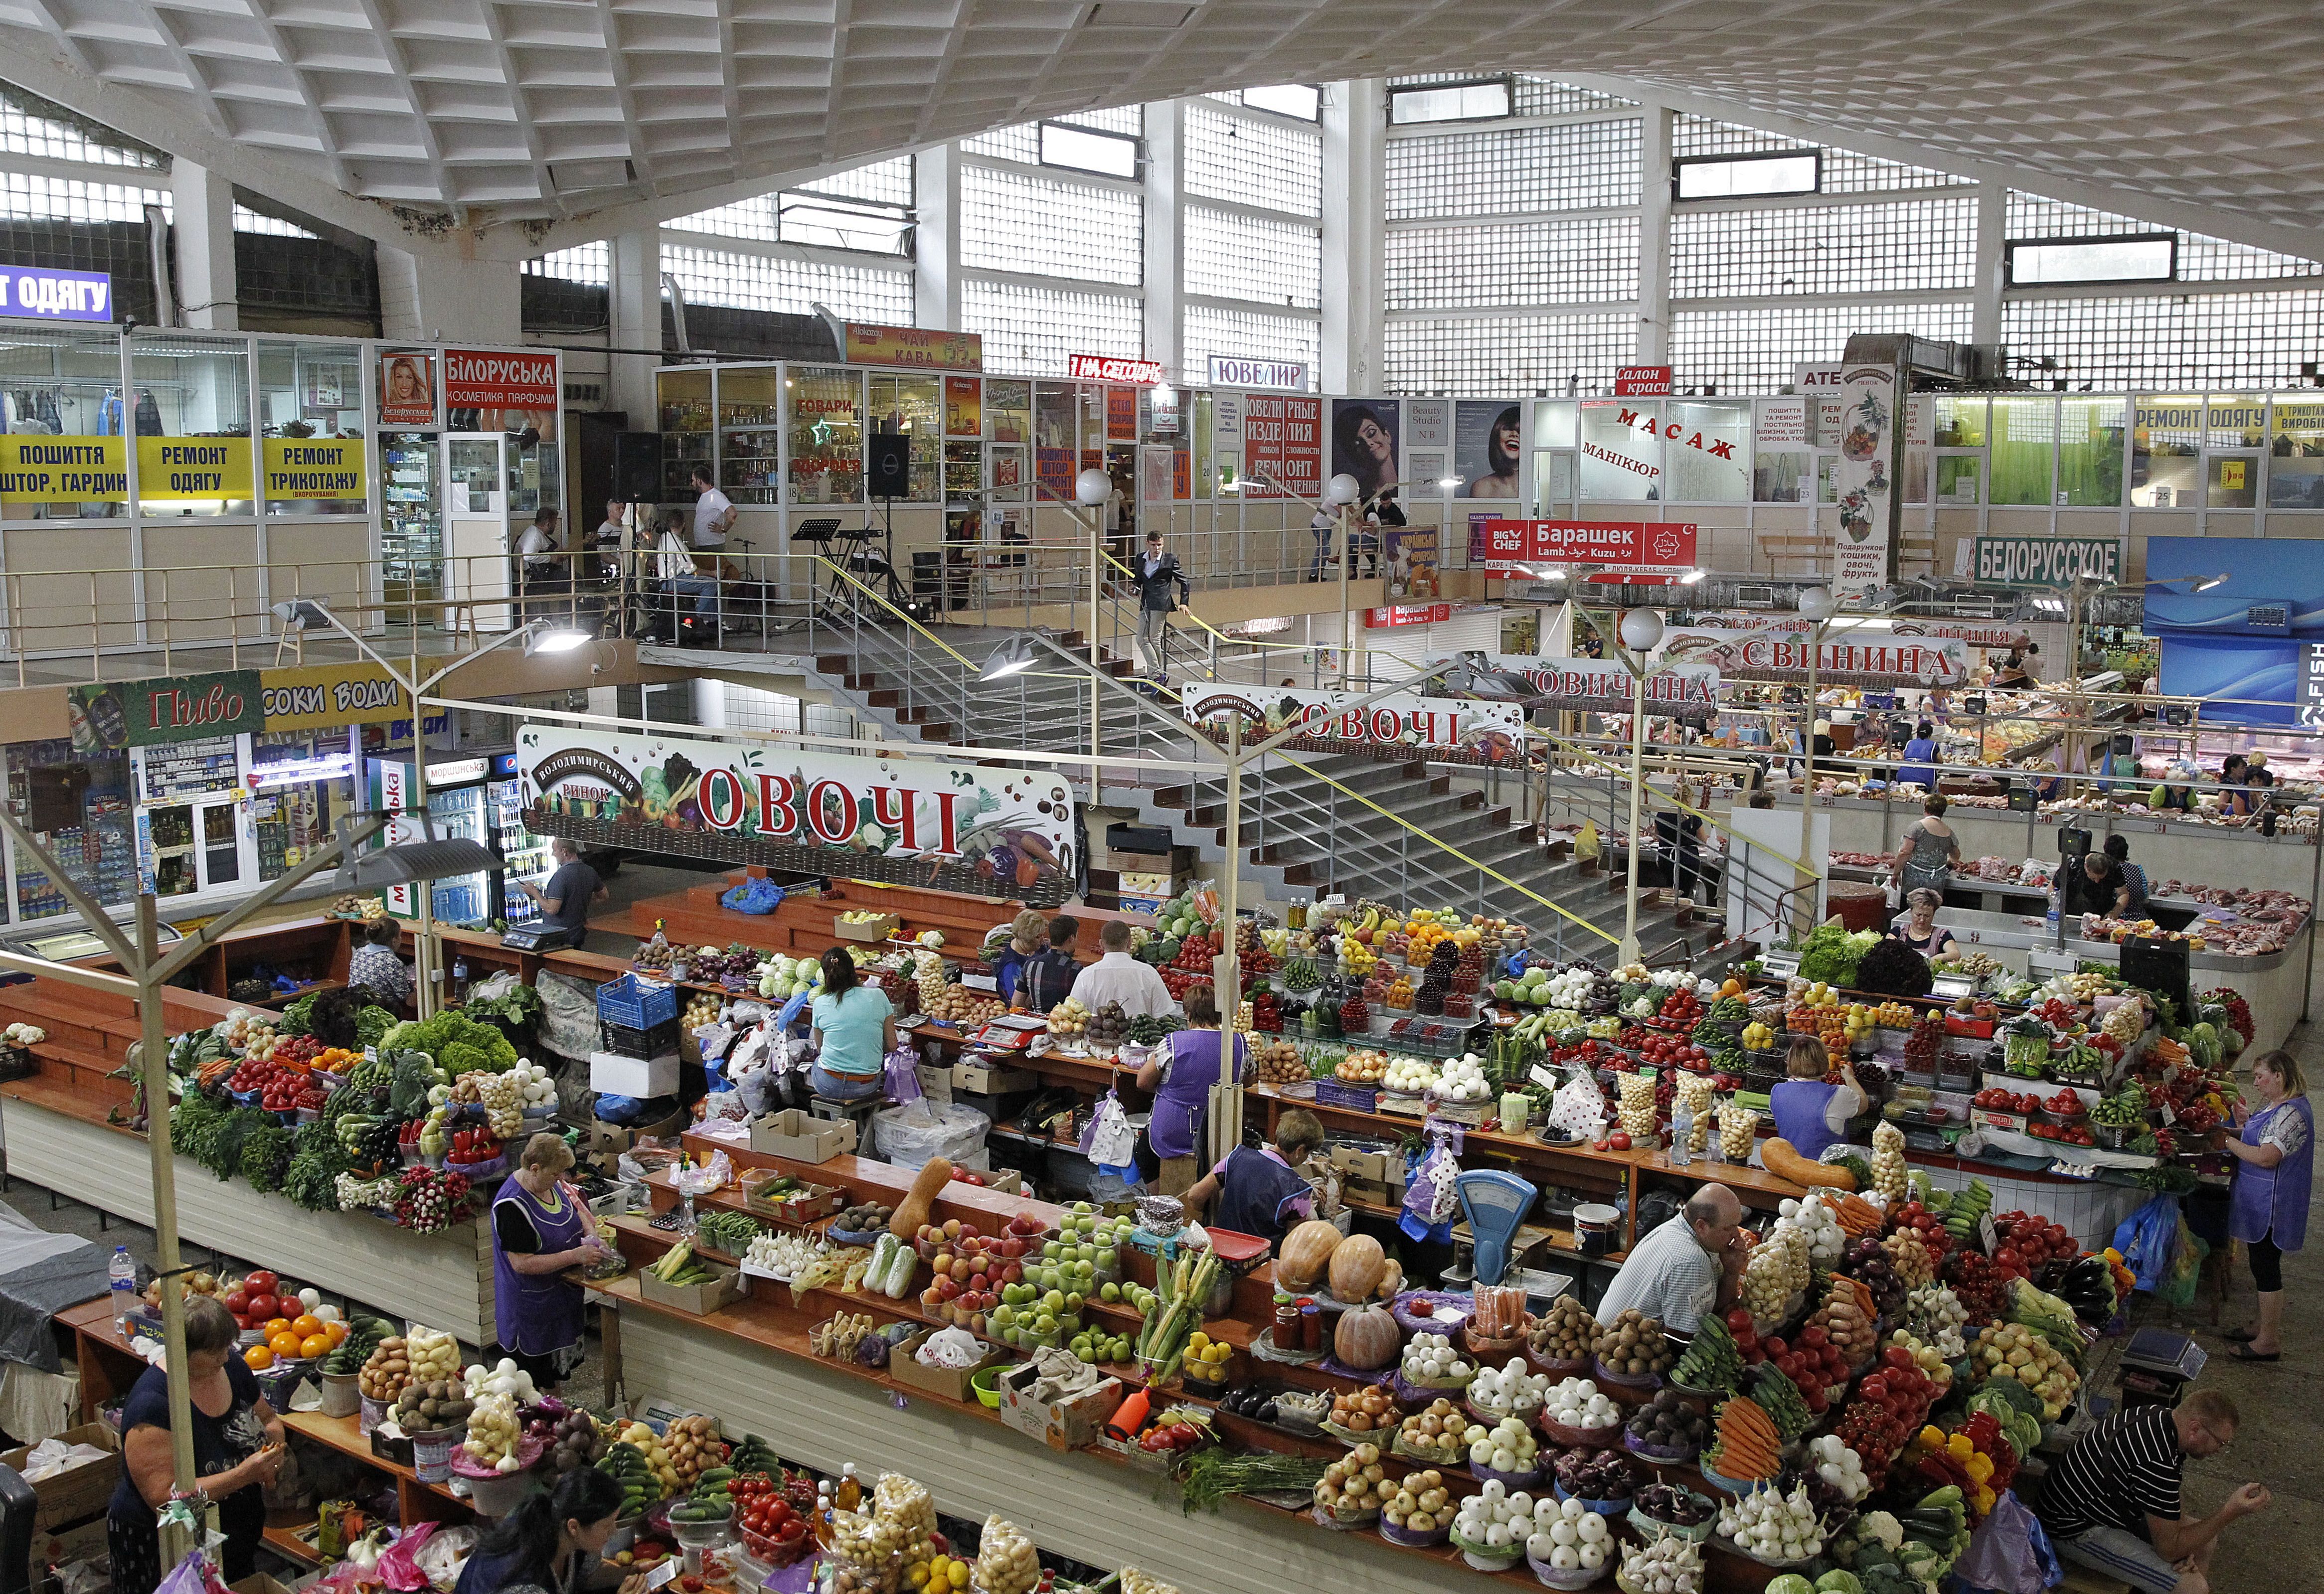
{"x":536,"y":937}
{"x":1011,"y":1032}
{"x":1954,"y":986}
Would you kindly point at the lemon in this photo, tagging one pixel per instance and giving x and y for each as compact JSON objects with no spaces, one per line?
{"x":956,"y":1574}
{"x":1216,"y":1352}
{"x":1197,"y":1340}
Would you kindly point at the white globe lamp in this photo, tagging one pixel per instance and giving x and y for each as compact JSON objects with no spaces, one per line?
{"x":1342,"y":488}
{"x":1092,"y":487}
{"x":1640,"y":630}
{"x":1816,"y":604}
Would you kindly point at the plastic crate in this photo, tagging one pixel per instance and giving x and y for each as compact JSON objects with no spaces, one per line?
{"x":655,"y":1041}
{"x":637,"y":1003}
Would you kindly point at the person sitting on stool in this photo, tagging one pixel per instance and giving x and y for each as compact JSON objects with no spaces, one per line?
{"x":856,"y":1026}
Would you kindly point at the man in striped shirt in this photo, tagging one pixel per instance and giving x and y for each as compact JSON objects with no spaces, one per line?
{"x":2113,"y":1504}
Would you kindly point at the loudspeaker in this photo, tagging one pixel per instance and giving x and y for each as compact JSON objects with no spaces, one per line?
{"x":637,"y":466}
{"x":887,"y":466}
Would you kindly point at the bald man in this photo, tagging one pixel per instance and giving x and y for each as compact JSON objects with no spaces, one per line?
{"x":1686,"y":1269}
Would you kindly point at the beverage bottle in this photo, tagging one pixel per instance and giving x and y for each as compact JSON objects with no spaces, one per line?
{"x":459,"y":979}
{"x":121,"y":1273}
{"x":849,"y":1495}
{"x":1682,"y":1133}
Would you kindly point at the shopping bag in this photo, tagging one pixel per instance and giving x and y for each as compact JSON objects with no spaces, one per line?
{"x":2147,"y":1239}
{"x":2002,"y":1556}
{"x":1431,"y":1195}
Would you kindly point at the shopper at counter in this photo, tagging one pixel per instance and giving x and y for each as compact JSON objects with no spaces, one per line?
{"x":553,"y":1542}
{"x":1930,"y":851}
{"x":1027,"y":934}
{"x":1118,"y":977}
{"x":2268,"y":1210}
{"x":1180,"y":1073}
{"x":2234,"y":776}
{"x":1259,"y":1190}
{"x":2114,"y":1504}
{"x":2134,"y":878}
{"x":377,"y":966}
{"x":1047,"y":980}
{"x":1917,"y":925}
{"x":857,"y":1029}
{"x":541,"y":1226}
{"x":1687,"y":1268}
{"x":2097,"y":887}
{"x":239,"y":1448}
{"x":1809,"y":1112}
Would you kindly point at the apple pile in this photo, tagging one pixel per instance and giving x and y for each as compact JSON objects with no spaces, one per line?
{"x":2025,"y":1244}
{"x":971,"y":1269}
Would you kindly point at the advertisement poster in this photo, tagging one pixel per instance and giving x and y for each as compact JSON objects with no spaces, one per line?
{"x":952,"y":827}
{"x":193,"y":467}
{"x":1157,"y":472}
{"x":406,"y":390}
{"x":47,"y":293}
{"x":1411,"y":552}
{"x":500,"y":390}
{"x":1842,"y":660}
{"x":1053,"y":469}
{"x":1605,"y":687}
{"x":1487,"y":440}
{"x":915,"y":348}
{"x":1282,"y":445}
{"x":1638,"y":545}
{"x":313,"y":467}
{"x":1427,"y":424}
{"x":1865,"y":477}
{"x":1642,"y":382}
{"x":1364,"y":443}
{"x":36,"y":469}
{"x":2312,"y":685}
{"x":107,"y":716}
{"x":964,"y":402}
{"x":1120,"y":415}
{"x":1486,"y":733}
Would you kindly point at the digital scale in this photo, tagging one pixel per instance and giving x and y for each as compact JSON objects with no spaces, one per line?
{"x":1011,"y":1032}
{"x":536,"y":937}
{"x":1954,"y":985}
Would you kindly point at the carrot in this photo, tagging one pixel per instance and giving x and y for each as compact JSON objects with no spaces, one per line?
{"x":1864,"y":1302}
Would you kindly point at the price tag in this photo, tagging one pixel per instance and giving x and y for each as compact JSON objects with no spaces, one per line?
{"x":1987,"y":1237}
{"x":2169,"y":1119}
{"x":1541,"y":1075}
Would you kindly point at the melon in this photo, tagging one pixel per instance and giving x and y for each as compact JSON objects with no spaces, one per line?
{"x":1358,"y":1265}
{"x":1305,"y":1253}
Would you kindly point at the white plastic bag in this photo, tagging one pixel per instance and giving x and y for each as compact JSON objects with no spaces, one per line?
{"x":912,"y":1135}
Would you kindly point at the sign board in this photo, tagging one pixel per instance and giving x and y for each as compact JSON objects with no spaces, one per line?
{"x":1396,"y":615}
{"x":983,"y":830}
{"x":916,"y":347}
{"x":1490,"y":731}
{"x":1113,"y":368}
{"x":1283,"y":443}
{"x":313,"y":467}
{"x":501,"y":379}
{"x":1604,"y":686}
{"x":1845,"y":659}
{"x":1865,"y":476}
{"x":36,"y":469}
{"x":43,"y":293}
{"x":1284,"y":375}
{"x":2311,"y":684}
{"x":2046,"y":561}
{"x":1642,"y":382}
{"x":407,"y":389}
{"x":193,"y":467}
{"x":109,"y":716}
{"x":1657,"y":545}
{"x":321,"y":696}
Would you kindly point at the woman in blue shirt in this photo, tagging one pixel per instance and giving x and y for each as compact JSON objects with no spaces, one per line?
{"x":1920,"y":758}
{"x":551,"y":1542}
{"x":857,"y":1028}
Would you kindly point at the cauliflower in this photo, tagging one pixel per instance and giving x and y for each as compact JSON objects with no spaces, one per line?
{"x":1883,"y":1526}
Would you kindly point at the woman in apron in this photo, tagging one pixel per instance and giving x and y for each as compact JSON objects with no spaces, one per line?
{"x":1917,"y":925}
{"x":1930,"y":851}
{"x":2268,"y":1211}
{"x":540,"y":1228}
{"x":1180,"y":1073}
{"x":1809,"y":1113}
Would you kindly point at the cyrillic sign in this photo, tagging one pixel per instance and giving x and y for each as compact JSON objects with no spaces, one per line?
{"x":1493,"y":730}
{"x":1112,"y":368}
{"x":1644,"y":544}
{"x":314,"y":467}
{"x":193,"y":467}
{"x":2046,"y":561}
{"x":44,"y":294}
{"x":63,"y":470}
{"x":1230,"y":370}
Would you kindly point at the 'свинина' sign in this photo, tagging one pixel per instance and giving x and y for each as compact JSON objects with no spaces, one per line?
{"x":1604,"y":686}
{"x":988,"y":832}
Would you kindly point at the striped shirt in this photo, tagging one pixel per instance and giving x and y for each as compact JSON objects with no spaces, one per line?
{"x":2121,"y":1472}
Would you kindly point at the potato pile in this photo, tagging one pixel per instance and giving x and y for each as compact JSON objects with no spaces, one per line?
{"x":1279,"y":1064}
{"x":432,"y":1407}
{"x":1634,"y":1345}
{"x":1006,"y":1560}
{"x":1565,"y":1332}
{"x":959,"y":1005}
{"x":1439,"y":1434}
{"x":384,"y":1377}
{"x":694,"y":1448}
{"x":1360,"y":1411}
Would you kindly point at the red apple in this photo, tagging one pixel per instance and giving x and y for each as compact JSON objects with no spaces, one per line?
{"x":946,"y":1289}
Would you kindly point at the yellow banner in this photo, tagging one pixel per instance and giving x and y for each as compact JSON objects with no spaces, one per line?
{"x":320,"y":696}
{"x":193,"y":467}
{"x":917,"y":346}
{"x":314,"y":467}
{"x":63,"y":470}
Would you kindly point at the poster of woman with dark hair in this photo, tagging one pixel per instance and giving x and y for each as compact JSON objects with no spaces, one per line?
{"x":1487,"y":439}
{"x":1364,"y":443}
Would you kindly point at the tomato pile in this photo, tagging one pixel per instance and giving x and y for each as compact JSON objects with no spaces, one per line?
{"x":1979,"y":1286}
{"x":1672,"y":1051}
{"x":280,"y":1089}
{"x":1888,"y":1410}
{"x":1192,"y":966}
{"x":761,"y":1508}
{"x":2071,"y":1135}
{"x":1681,"y":1005}
{"x":1995,"y":1098}
{"x":1925,"y":1223}
{"x":2058,"y":1014}
{"x":1812,"y":1362}
{"x":2025,"y":1243}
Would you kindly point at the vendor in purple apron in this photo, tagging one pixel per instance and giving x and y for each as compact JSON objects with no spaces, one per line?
{"x":1257,"y":1189}
{"x":2268,"y":1211}
{"x":540,"y":1228}
{"x":1180,"y":1073}
{"x":1809,"y":1113}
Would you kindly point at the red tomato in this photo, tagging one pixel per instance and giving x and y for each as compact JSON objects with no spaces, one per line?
{"x":261,"y":1283}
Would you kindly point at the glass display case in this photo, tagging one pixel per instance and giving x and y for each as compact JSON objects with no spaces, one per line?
{"x":524,"y":854}
{"x":963,"y":484}
{"x":300,"y":782}
{"x":825,"y":429}
{"x":76,"y":806}
{"x":190,"y":411}
{"x":911,"y":405}
{"x":687,"y":421}
{"x":310,"y":391}
{"x":411,"y":516}
{"x":66,"y":382}
{"x":190,"y":820}
{"x":749,"y":434}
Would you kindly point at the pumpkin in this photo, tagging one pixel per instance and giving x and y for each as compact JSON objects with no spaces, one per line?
{"x":913,"y":1210}
{"x":1303,"y":1254}
{"x":1366,"y":1338}
{"x":1358,"y":1266}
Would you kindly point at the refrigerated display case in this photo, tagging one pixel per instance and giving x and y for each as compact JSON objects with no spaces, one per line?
{"x":525,"y":855}
{"x":77,"y":808}
{"x":301,"y":783}
{"x":460,"y":803}
{"x":411,"y":515}
{"x":191,"y":829}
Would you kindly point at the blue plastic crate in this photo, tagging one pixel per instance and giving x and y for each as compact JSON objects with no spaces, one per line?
{"x":636,"y":1003}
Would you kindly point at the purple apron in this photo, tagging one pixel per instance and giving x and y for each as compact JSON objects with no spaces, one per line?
{"x":1799,"y":1106}
{"x":537,"y":1313}
{"x":2274,"y":1198}
{"x":1176,"y":1127}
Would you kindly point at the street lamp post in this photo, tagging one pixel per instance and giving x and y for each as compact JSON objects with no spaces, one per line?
{"x":1339,"y":493}
{"x":1638,"y":631}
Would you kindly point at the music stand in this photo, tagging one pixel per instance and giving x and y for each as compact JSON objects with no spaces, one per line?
{"x":874,"y":564}
{"x":819,"y":535}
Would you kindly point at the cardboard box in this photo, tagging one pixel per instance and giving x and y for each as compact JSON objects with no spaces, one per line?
{"x":723,"y":1288}
{"x":1148,"y":905}
{"x":985,"y":1078}
{"x":800,"y":1204}
{"x":1372,"y":1191}
{"x":613,"y":1075}
{"x":85,"y":1542}
{"x":952,"y":1383}
{"x":796,"y":1134}
{"x":1061,"y":1424}
{"x":76,"y":1491}
{"x":865,"y":929}
{"x":1356,"y":1163}
{"x":665,"y":1129}
{"x":1986,"y":1118}
{"x":1143,"y":882}
{"x":598,"y":1135}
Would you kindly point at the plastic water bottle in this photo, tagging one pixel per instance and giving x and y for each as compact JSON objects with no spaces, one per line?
{"x":459,"y":979}
{"x":2051,"y":923}
{"x":1682,"y":1133}
{"x":121,"y":1272}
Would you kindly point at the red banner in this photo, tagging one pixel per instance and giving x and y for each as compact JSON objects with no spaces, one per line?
{"x":500,"y":379}
{"x":1112,"y":368}
{"x":1642,"y":382}
{"x":1646,"y":545}
{"x":1283,"y":441}
{"x":1407,"y":614}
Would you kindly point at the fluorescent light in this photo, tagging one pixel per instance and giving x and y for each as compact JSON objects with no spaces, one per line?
{"x":1013,"y":656}
{"x":1302,"y":100}
{"x":2206,"y":583}
{"x":1448,"y":480}
{"x":561,"y":639}
{"x":1692,"y":576}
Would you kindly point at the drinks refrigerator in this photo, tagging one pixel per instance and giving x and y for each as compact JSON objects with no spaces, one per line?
{"x":411,"y":515}
{"x":476,"y":798}
{"x":526,"y":855}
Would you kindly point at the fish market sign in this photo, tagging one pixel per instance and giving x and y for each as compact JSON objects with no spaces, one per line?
{"x":1881,"y":661}
{"x":46,"y":295}
{"x":1602,"y":685}
{"x":2046,"y":561}
{"x":1490,"y":731}
{"x":987,"y":832}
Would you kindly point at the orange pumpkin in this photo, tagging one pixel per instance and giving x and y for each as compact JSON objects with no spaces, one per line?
{"x":1305,"y":1253}
{"x":1358,"y":1265}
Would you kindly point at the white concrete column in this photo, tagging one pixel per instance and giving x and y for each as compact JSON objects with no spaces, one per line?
{"x":633,"y":314}
{"x":1653,"y":237}
{"x":1992,"y":261}
{"x":202,"y":234}
{"x":423,"y":298}
{"x":1166,"y":124}
{"x":935,"y":239}
{"x":1355,"y":235}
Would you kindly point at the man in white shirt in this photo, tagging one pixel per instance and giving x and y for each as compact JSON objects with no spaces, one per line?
{"x":674,"y":566}
{"x":1118,"y":977}
{"x":1688,"y":1268}
{"x":540,"y":568}
{"x":714,"y":512}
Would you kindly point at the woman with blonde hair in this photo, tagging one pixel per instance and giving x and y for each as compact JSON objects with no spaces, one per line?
{"x":1809,"y":1112}
{"x":2275,"y":1146}
{"x":540,"y":1228}
{"x":1028,"y":931}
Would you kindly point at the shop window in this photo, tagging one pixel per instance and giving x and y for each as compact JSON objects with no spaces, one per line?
{"x":688,"y":427}
{"x":1724,"y":177}
{"x":188,"y":407}
{"x":1302,"y":100}
{"x":1708,"y":449}
{"x":1783,"y":466}
{"x":1960,"y":479}
{"x":76,"y":808}
{"x":1960,"y":422}
{"x":2235,"y":420}
{"x":310,"y":425}
{"x":1056,"y":433}
{"x":913,"y":406}
{"x":2137,"y":257}
{"x":533,"y":479}
{"x":1476,"y":101}
{"x":2024,"y":448}
{"x":300,"y":782}
{"x":2295,"y":469}
{"x":2166,"y":450}
{"x":65,"y":382}
{"x":1552,"y":424}
{"x":826,"y":435}
{"x":750,"y":432}
{"x":2090,"y":452}
{"x":1621,"y":451}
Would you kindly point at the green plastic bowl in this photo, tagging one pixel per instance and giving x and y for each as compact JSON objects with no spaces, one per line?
{"x":986,"y":1382}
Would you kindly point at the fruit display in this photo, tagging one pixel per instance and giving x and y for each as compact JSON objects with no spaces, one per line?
{"x":1635,"y":1346}
{"x":1668,"y":1424}
{"x":1566,"y":1332}
{"x":1354,"y":1488}
{"x":1778,"y":1270}
{"x":1775,"y":1527}
{"x":1441,"y":1432}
